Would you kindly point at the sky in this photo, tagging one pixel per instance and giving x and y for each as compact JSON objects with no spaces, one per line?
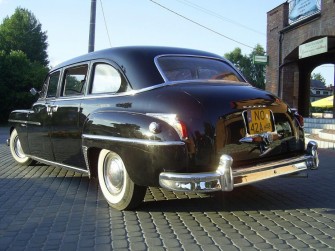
{"x":218,"y":26}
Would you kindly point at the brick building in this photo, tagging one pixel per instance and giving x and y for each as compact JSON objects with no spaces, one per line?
{"x":290,"y":26}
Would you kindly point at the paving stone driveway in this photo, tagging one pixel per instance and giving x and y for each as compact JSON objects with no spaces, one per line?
{"x":47,"y":208}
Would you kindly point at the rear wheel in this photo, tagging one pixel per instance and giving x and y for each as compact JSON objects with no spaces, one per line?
{"x":17,"y":151}
{"x":117,"y":187}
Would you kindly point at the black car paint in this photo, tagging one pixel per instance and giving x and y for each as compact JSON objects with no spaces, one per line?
{"x":201,"y":105}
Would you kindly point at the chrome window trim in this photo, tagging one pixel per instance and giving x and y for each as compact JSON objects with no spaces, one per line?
{"x":123,"y":94}
{"x":62,"y":86}
{"x":47,"y":85}
{"x":111,"y":63}
{"x":134,"y":141}
{"x":135,"y":92}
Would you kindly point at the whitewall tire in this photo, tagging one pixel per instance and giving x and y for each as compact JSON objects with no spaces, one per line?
{"x":17,"y":151}
{"x":117,"y":187}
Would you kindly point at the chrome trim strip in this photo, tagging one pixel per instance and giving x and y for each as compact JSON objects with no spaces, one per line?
{"x":52,"y":163}
{"x":85,"y":150}
{"x":246,"y":179}
{"x":134,"y":92}
{"x":24,"y":122}
{"x":134,"y":141}
{"x":271,"y":165}
{"x":108,"y":95}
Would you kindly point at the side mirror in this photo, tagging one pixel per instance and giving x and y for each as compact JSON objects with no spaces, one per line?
{"x":33,"y":91}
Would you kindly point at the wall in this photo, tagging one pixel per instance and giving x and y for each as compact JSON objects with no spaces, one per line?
{"x":286,"y":75}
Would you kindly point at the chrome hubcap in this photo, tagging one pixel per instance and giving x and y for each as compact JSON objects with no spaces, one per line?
{"x":114,"y":173}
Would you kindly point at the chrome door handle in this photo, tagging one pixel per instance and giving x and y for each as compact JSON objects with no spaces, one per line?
{"x":54,"y":108}
{"x":51,"y":109}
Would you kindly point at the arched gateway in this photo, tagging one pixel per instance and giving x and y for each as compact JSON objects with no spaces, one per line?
{"x":300,"y":37}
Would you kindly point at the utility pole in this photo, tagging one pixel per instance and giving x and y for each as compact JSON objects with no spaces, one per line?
{"x":92,"y":26}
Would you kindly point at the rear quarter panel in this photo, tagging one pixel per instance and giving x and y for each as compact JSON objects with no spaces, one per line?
{"x":145,"y":155}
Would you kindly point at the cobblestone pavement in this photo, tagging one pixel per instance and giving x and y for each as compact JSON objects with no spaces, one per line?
{"x":47,"y":208}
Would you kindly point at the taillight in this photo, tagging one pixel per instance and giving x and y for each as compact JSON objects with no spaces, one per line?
{"x":299,"y":118}
{"x":181,"y":129}
{"x":172,"y":120}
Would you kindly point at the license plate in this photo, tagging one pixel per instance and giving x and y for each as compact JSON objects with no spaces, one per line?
{"x":259,"y":121}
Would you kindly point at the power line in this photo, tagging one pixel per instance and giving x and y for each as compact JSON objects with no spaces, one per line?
{"x":103,"y":14}
{"x":203,"y":26}
{"x":214,"y":14}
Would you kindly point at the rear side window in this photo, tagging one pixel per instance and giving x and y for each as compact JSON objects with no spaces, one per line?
{"x":106,"y":79}
{"x":74,"y":80}
{"x":52,"y":85}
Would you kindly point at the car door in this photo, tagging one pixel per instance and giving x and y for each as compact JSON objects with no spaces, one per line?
{"x":40,"y":119}
{"x":66,"y":131}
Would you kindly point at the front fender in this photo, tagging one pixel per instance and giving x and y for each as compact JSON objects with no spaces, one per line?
{"x":18,"y":119}
{"x":145,"y":154}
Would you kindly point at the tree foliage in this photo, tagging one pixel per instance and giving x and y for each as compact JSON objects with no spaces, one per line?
{"x":318,"y":76}
{"x":23,"y":60}
{"x":254,"y":73}
{"x":23,"y":32}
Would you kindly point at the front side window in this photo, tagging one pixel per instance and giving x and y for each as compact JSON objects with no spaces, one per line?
{"x":52,"y":85}
{"x":178,"y":68}
{"x":74,"y":81}
{"x":106,"y":79}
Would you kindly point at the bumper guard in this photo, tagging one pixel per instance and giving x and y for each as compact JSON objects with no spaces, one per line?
{"x":225,"y":179}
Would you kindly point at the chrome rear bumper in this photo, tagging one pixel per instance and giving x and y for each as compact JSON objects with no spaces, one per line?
{"x":225,"y":179}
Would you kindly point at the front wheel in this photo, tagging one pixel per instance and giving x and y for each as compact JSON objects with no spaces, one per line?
{"x":17,"y":151}
{"x":117,"y":187}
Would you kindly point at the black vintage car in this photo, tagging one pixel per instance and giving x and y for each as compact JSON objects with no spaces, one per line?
{"x":134,"y":117}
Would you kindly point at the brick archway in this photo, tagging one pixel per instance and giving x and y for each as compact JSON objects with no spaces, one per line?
{"x":288,"y":76}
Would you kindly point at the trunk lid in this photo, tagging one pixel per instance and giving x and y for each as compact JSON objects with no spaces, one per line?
{"x":249,"y":124}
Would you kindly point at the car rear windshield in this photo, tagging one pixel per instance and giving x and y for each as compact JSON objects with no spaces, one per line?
{"x":179,"y":68}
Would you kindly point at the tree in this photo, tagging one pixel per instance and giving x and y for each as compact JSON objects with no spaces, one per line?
{"x":318,"y":76}
{"x":23,"y":32}
{"x":239,"y":60}
{"x":23,"y":60}
{"x":255,"y":74}
{"x":17,"y":75}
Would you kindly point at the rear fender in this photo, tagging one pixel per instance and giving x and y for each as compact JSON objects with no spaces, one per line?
{"x":145,"y":153}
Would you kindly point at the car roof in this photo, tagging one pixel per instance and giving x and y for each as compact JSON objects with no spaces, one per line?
{"x":136,"y":62}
